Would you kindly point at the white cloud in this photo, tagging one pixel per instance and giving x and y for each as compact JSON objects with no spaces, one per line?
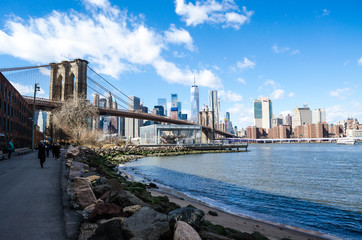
{"x":291,"y":94}
{"x":296,"y":51}
{"x":281,"y":50}
{"x":277,"y":94}
{"x":341,"y":112}
{"x":230,"y":96}
{"x":241,"y":115}
{"x":179,"y":36}
{"x":28,"y":90}
{"x":286,"y":112}
{"x":277,"y":49}
{"x":360,"y":61}
{"x":173,"y":74}
{"x":242,"y":80}
{"x":211,"y":11}
{"x":340,"y":93}
{"x":105,"y":36}
{"x":269,"y":82}
{"x":326,"y":12}
{"x":44,"y":71}
{"x":245,"y":64}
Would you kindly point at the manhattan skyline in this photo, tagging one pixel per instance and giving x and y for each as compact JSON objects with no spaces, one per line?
{"x":293,"y":53}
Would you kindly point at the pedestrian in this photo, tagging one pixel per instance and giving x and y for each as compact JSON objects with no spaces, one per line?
{"x":10,"y":147}
{"x":52,"y":147}
{"x":47,"y":147}
{"x":41,"y":153}
{"x":56,"y":150}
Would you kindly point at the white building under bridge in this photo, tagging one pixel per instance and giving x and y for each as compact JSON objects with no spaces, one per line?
{"x":171,"y":134}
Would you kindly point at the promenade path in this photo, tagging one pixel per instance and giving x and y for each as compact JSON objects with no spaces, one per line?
{"x":31,"y":199}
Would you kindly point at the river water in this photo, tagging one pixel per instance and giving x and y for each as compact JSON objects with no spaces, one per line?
{"x":311,"y":186}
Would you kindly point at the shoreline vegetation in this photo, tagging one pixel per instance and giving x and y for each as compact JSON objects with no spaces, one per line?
{"x":116,"y":207}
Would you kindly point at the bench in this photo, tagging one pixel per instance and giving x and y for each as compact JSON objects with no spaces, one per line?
{"x":3,"y":155}
{"x":21,"y":151}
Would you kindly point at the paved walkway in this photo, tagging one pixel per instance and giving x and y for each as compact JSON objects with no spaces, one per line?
{"x":30,"y":199}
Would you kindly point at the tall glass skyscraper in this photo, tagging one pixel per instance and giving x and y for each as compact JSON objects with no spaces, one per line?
{"x":179,"y":108}
{"x":163,"y":102}
{"x":194,"y":103}
{"x":173,"y":100}
{"x":214,"y":105}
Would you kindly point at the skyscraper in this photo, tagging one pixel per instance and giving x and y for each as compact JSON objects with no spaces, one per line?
{"x":174,"y":109}
{"x":179,"y":107}
{"x":302,"y":116}
{"x":214,"y":105}
{"x":288,"y":120}
{"x":319,"y":115}
{"x":194,"y":103}
{"x":173,"y":100}
{"x":163,"y":102}
{"x":229,"y":126}
{"x":263,"y":112}
{"x":132,"y":125}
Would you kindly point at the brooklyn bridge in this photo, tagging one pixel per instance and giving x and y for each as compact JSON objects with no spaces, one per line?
{"x":76,"y":79}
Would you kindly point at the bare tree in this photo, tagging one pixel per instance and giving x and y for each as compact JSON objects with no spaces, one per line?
{"x":74,"y":118}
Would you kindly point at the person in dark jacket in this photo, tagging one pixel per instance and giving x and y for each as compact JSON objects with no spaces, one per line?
{"x":10,"y":148}
{"x":56,"y":150}
{"x":47,"y":148}
{"x":41,"y":153}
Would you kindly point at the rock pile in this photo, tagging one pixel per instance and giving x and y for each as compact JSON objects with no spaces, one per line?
{"x":114,"y":208}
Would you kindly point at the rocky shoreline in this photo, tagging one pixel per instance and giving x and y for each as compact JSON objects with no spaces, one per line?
{"x":114,"y":208}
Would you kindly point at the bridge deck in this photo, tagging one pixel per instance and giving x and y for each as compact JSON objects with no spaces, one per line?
{"x":48,"y":104}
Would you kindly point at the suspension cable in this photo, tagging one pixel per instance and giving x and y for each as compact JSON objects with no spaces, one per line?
{"x":22,"y":68}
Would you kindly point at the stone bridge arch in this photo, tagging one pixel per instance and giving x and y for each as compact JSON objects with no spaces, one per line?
{"x":68,"y":79}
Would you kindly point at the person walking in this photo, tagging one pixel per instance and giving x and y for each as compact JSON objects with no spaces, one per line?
{"x":52,"y":147}
{"x":10,"y":148}
{"x":56,"y":150}
{"x":41,"y":153}
{"x":47,"y":148}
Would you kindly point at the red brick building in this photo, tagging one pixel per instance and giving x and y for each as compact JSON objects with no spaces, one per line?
{"x":336,"y":130}
{"x":15,"y":116}
{"x":280,"y":132}
{"x":255,"y":133}
{"x":318,"y":130}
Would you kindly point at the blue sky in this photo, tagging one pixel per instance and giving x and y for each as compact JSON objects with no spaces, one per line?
{"x":294,"y":52}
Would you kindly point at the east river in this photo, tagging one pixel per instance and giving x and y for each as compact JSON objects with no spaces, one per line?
{"x":311,"y":186}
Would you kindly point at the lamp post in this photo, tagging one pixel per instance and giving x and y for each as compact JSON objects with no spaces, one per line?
{"x":36,"y":88}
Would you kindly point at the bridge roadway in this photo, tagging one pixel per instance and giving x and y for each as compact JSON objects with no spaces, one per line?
{"x":43,"y":103}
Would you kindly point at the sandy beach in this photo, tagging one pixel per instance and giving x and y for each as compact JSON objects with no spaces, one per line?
{"x":243,"y":223}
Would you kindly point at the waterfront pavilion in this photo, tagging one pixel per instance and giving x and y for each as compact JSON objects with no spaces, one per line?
{"x":171,"y":134}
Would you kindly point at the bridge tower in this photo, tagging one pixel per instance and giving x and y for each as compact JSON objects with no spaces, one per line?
{"x":206,"y":119}
{"x":68,"y":79}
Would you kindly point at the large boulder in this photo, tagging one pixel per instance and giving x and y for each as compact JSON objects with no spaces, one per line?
{"x":130,"y":210}
{"x":115,"y":185}
{"x":105,"y":211}
{"x":81,"y":182}
{"x":213,"y":236}
{"x":71,"y":151}
{"x":147,"y":224}
{"x":124,"y":199}
{"x":76,"y":169}
{"x":93,"y":178}
{"x":109,"y":230}
{"x":192,"y":216}
{"x":99,"y":190}
{"x":87,"y":230}
{"x":183,"y":231}
{"x":84,"y":196}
